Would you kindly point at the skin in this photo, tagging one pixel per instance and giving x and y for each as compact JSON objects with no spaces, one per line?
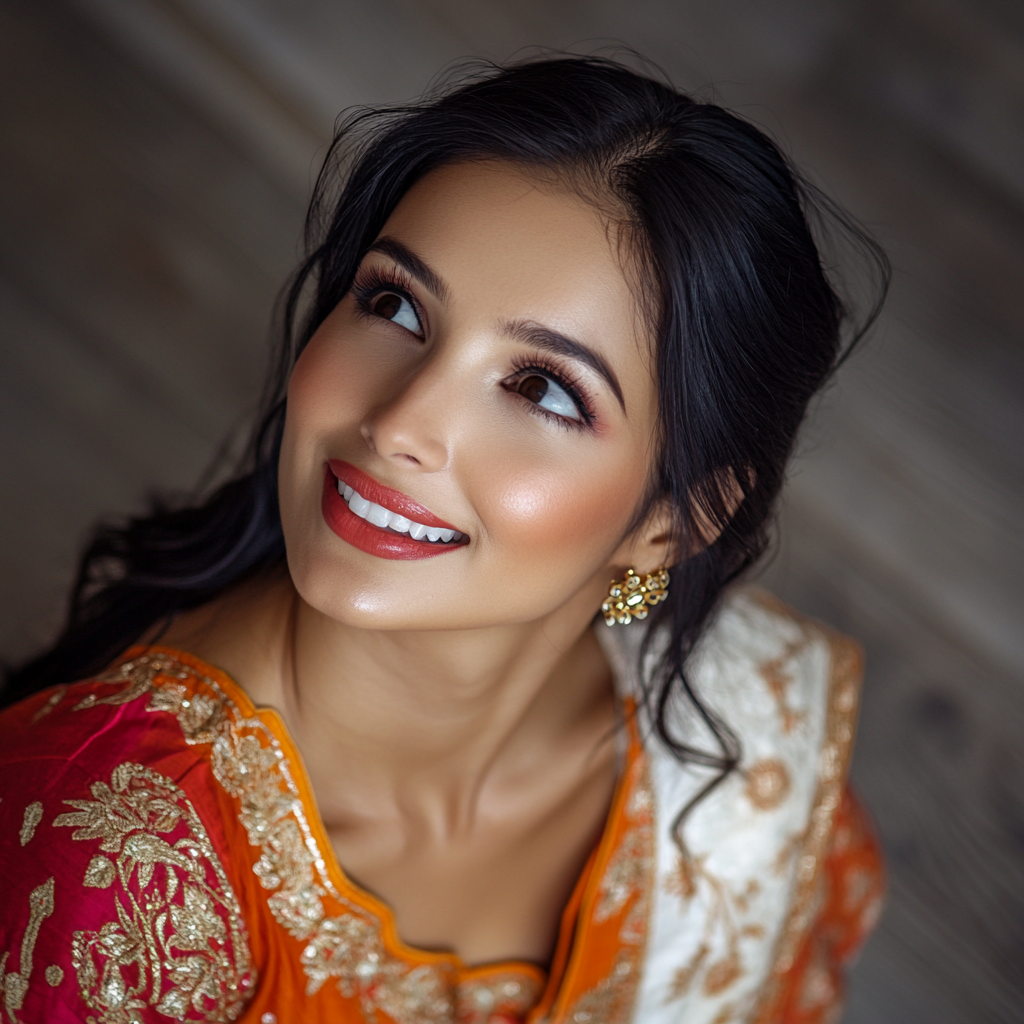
{"x":456,"y":714}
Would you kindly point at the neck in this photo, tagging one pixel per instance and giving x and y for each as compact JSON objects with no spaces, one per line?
{"x":401,"y":720}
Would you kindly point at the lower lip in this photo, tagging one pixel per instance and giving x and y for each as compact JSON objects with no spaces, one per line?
{"x":369,"y":538}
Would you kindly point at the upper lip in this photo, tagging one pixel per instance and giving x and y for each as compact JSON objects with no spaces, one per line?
{"x":392,"y":500}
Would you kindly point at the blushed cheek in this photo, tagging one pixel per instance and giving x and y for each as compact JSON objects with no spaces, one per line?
{"x":560,"y":517}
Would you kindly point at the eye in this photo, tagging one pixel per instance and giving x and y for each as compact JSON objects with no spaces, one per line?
{"x":398,"y":310}
{"x":548,"y":395}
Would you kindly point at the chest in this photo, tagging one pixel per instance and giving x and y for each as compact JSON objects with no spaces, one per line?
{"x":494,"y":891}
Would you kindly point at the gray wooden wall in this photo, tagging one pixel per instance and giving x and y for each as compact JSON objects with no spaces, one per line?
{"x":155,"y":159}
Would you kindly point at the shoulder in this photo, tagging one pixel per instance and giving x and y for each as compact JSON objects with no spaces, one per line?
{"x":117,"y":899}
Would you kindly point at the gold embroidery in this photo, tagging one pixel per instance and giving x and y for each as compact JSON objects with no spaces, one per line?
{"x":778,"y":680}
{"x":179,"y":941}
{"x":100,"y":872}
{"x":249,"y":763}
{"x":33,"y":815}
{"x":496,"y":997}
{"x":840,"y":717}
{"x":726,"y":908}
{"x":52,"y":701}
{"x":54,"y":975}
{"x":767,"y":784}
{"x":628,"y":877}
{"x":15,"y":985}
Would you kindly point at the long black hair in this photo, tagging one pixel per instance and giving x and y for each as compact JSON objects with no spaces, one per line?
{"x":748,"y":327}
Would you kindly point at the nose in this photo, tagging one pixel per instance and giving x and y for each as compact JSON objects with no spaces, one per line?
{"x":411,"y":426}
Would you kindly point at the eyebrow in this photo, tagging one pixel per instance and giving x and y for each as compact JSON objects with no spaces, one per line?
{"x":521,"y":330}
{"x":560,"y":344}
{"x":409,"y":261}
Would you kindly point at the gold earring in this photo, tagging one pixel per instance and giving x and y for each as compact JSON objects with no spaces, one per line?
{"x":628,"y":599}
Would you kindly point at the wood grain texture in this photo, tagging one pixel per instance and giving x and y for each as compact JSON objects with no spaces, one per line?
{"x":155,"y":160}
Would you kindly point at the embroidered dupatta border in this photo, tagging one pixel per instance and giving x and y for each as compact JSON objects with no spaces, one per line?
{"x":846,"y":670}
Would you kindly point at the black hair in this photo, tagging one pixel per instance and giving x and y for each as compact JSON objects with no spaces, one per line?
{"x":747,"y":327}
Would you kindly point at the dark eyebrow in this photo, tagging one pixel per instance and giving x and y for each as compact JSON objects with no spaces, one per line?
{"x":562,"y":345}
{"x":408,"y":260}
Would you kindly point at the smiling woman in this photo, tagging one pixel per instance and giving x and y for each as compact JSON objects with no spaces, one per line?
{"x":349,"y":745}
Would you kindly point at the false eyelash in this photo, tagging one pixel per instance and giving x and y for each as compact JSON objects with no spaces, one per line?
{"x":539,"y":364}
{"x":374,"y":281}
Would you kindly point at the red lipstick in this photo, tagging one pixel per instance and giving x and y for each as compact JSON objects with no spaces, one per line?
{"x":384,"y":543}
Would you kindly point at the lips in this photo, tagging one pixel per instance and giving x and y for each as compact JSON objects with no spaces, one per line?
{"x":382,"y":521}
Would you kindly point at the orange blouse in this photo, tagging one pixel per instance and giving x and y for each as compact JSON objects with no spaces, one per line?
{"x":164,"y":859}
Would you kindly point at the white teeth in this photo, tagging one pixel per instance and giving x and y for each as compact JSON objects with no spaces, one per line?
{"x":385,"y":518}
{"x":378,"y":515}
{"x":359,"y":505}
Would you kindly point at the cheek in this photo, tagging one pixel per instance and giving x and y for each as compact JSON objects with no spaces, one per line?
{"x":563,"y":513}
{"x":319,"y":390}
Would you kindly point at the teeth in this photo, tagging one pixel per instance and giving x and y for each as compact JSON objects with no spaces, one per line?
{"x":378,"y":515}
{"x":359,"y":505}
{"x":384,"y":518}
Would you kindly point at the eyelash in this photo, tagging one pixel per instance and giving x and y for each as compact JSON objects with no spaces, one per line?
{"x":540,"y":365}
{"x":374,"y":282}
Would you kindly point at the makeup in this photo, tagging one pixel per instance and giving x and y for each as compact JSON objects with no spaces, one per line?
{"x":382,"y":521}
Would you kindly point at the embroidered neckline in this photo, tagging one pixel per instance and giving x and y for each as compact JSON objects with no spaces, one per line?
{"x":255,"y":760}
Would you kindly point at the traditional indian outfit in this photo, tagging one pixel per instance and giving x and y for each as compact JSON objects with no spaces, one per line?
{"x":163,"y":859}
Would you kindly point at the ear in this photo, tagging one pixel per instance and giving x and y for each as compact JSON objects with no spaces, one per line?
{"x":650,"y":546}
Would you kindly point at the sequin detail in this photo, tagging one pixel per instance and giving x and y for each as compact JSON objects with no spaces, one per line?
{"x":15,"y":984}
{"x":29,"y":824}
{"x":626,"y":889}
{"x":178,"y":940}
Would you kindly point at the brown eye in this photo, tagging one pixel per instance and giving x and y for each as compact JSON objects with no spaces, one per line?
{"x":549,"y":395}
{"x":399,"y":310}
{"x":534,"y":388}
{"x":387,"y":306}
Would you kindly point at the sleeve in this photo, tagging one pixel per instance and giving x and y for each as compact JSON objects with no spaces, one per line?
{"x":116,"y":907}
{"x":853,"y":889}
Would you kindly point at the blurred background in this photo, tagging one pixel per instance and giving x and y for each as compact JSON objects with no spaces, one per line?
{"x":155,"y":161}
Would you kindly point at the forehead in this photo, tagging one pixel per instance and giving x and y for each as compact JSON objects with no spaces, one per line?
{"x":511,"y":245}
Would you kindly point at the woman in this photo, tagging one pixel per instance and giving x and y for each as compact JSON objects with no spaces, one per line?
{"x":561,"y":327}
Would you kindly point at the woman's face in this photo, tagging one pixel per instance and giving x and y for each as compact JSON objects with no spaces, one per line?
{"x":488,"y":376}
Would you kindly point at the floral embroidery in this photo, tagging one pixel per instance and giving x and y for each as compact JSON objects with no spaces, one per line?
{"x":15,"y":984}
{"x":496,"y":998}
{"x":813,"y":846}
{"x":29,"y":824}
{"x":178,"y":942}
{"x":724,"y":917}
{"x":778,"y":680}
{"x":249,"y":762}
{"x":767,"y":784}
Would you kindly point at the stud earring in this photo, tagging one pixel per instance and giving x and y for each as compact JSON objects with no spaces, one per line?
{"x":628,"y":599}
